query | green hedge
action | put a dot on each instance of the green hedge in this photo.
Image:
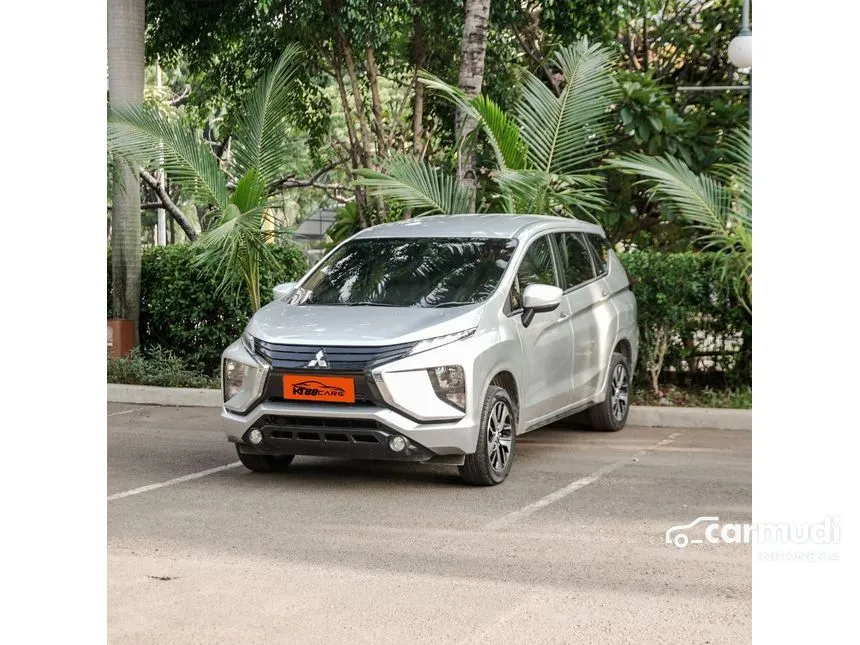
(181, 312)
(692, 331)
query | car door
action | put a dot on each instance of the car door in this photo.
(547, 350)
(591, 312)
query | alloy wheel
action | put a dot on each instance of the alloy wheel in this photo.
(499, 436)
(620, 392)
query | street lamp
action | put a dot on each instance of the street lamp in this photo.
(740, 49)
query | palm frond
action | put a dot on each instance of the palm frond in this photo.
(539, 192)
(235, 249)
(501, 131)
(250, 192)
(260, 137)
(143, 136)
(736, 174)
(417, 185)
(699, 199)
(565, 132)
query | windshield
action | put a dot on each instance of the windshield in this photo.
(408, 272)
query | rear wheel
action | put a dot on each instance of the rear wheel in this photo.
(611, 414)
(491, 461)
(264, 463)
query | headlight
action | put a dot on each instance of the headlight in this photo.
(242, 384)
(433, 343)
(449, 383)
(234, 376)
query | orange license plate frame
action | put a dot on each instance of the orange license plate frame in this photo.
(321, 388)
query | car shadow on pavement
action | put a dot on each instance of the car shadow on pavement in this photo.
(338, 472)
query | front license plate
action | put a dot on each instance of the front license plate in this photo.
(328, 389)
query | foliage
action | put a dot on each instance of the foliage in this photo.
(544, 152)
(737, 398)
(183, 310)
(237, 193)
(659, 45)
(718, 205)
(346, 223)
(692, 330)
(156, 366)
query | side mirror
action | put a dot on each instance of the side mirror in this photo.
(281, 291)
(538, 298)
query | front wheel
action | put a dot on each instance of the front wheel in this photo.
(264, 463)
(491, 461)
(611, 414)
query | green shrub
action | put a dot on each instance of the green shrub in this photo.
(182, 311)
(156, 367)
(692, 330)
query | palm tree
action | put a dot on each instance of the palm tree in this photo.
(237, 191)
(473, 50)
(125, 87)
(544, 153)
(718, 205)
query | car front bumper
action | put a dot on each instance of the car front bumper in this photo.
(337, 430)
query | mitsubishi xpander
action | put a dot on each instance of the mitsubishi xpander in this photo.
(438, 340)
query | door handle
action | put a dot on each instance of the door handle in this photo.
(563, 317)
(604, 295)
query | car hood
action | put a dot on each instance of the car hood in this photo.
(279, 322)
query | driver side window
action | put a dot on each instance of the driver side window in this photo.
(536, 268)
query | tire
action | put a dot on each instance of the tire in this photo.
(611, 414)
(264, 463)
(491, 462)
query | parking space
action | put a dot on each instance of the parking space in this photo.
(570, 549)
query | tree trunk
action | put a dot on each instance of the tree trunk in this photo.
(360, 196)
(472, 52)
(175, 212)
(125, 87)
(376, 103)
(359, 102)
(418, 103)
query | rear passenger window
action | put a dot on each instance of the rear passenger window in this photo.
(576, 263)
(536, 268)
(601, 248)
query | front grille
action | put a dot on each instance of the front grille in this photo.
(338, 357)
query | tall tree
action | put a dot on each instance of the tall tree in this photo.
(545, 152)
(125, 87)
(473, 50)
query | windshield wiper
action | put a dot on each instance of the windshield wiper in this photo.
(452, 304)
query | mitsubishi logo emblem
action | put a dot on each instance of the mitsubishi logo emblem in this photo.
(319, 360)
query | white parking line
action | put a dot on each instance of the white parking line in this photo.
(114, 414)
(171, 482)
(561, 493)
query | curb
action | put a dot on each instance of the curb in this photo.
(151, 395)
(713, 418)
(640, 415)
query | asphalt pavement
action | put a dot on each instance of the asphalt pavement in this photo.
(570, 549)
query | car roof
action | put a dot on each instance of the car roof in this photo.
(497, 225)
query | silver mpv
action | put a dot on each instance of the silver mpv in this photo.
(436, 340)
